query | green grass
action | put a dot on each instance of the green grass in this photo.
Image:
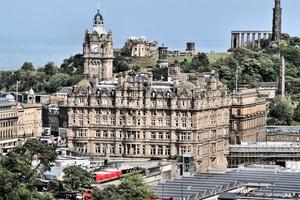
(180, 59)
(217, 55)
(146, 64)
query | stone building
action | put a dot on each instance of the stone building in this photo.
(191, 49)
(133, 116)
(98, 52)
(140, 47)
(29, 117)
(162, 57)
(248, 115)
(19, 121)
(8, 122)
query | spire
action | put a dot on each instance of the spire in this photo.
(98, 21)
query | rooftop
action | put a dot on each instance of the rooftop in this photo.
(263, 181)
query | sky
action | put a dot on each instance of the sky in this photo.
(51, 30)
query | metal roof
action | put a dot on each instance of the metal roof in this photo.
(268, 181)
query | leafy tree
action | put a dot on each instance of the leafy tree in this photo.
(77, 178)
(50, 69)
(132, 187)
(121, 64)
(17, 176)
(297, 113)
(73, 65)
(56, 81)
(27, 66)
(110, 192)
(282, 110)
(160, 73)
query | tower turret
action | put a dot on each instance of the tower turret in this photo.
(98, 52)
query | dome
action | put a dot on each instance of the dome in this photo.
(188, 86)
(84, 84)
(10, 98)
(98, 19)
(31, 92)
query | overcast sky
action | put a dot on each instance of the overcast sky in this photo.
(59, 25)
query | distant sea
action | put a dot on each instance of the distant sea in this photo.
(15, 51)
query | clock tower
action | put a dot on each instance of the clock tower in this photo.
(98, 52)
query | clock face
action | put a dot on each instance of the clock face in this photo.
(94, 48)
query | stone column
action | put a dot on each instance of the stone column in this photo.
(238, 39)
(265, 36)
(243, 37)
(258, 40)
(253, 40)
(248, 39)
(232, 40)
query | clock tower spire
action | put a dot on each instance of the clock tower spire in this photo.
(98, 51)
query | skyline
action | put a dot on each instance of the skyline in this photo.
(54, 30)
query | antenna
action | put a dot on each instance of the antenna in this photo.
(98, 4)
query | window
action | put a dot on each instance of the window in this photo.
(168, 123)
(152, 122)
(160, 122)
(152, 150)
(183, 136)
(167, 151)
(182, 150)
(98, 121)
(81, 133)
(160, 150)
(105, 134)
(112, 134)
(160, 135)
(98, 148)
(153, 135)
(167, 136)
(112, 121)
(98, 133)
(81, 120)
(184, 123)
(81, 100)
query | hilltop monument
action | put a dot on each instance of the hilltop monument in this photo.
(277, 15)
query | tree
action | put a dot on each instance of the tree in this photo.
(73, 65)
(133, 187)
(120, 64)
(282, 110)
(297, 113)
(110, 192)
(50, 69)
(76, 178)
(160, 73)
(17, 174)
(27, 66)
